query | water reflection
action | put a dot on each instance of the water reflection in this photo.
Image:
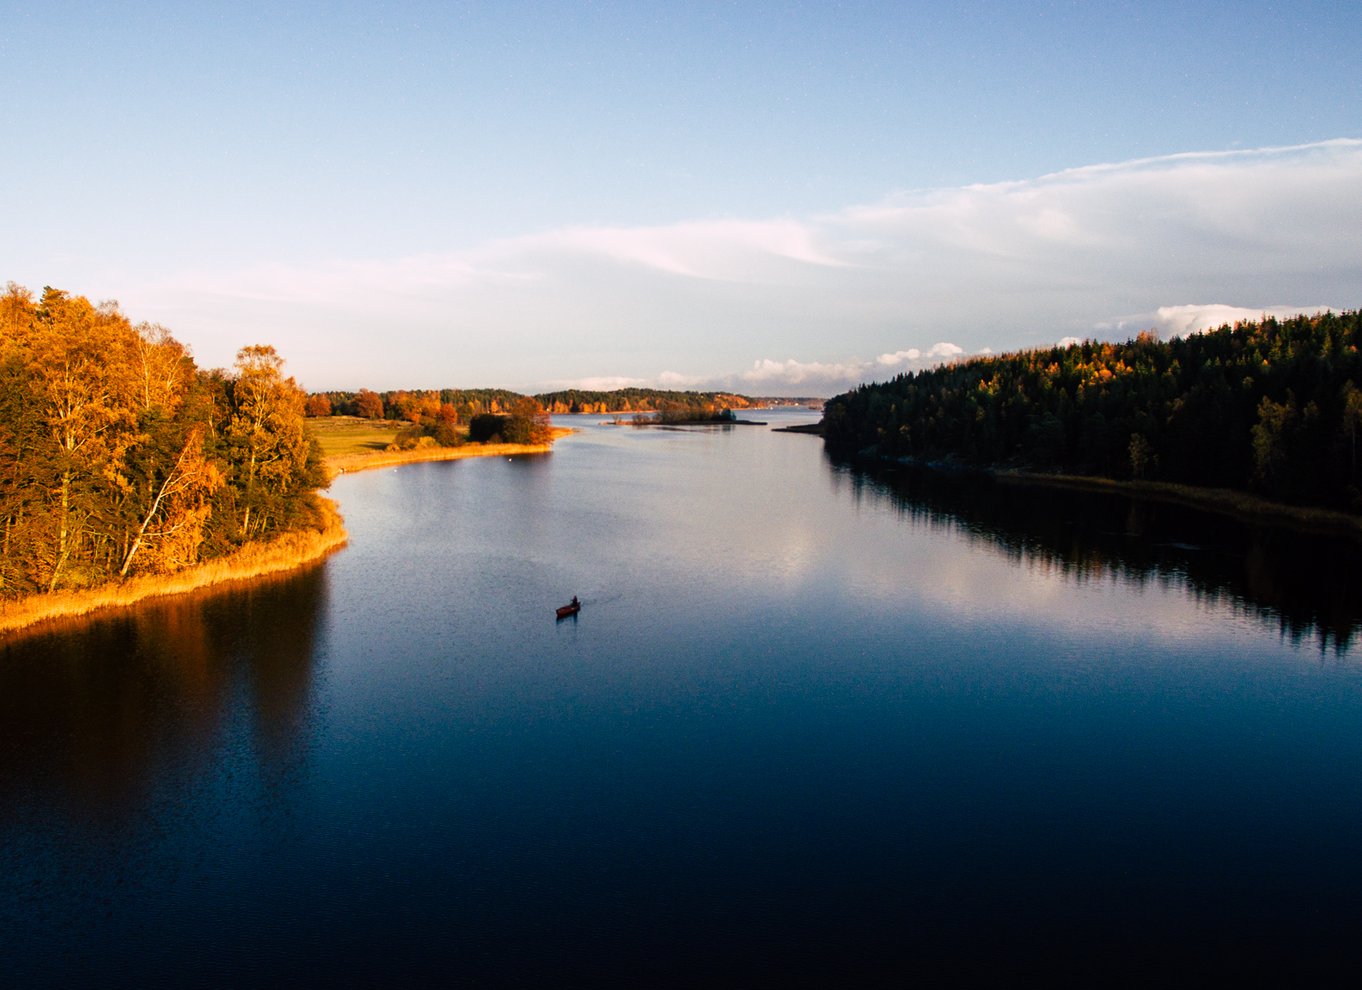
(1310, 586)
(97, 716)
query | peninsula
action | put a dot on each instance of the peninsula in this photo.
(127, 472)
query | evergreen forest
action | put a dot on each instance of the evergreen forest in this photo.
(119, 456)
(1273, 407)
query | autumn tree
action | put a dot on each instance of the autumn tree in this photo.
(163, 367)
(445, 429)
(528, 422)
(81, 363)
(172, 526)
(115, 450)
(368, 404)
(272, 457)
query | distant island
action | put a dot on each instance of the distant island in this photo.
(1270, 410)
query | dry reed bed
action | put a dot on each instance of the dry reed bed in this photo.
(285, 552)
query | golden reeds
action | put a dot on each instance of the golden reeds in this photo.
(285, 552)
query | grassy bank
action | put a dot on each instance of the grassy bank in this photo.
(346, 436)
(285, 552)
(360, 455)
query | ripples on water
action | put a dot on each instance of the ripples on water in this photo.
(812, 725)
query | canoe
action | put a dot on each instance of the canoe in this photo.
(566, 610)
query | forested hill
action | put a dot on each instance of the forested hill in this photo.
(1273, 407)
(118, 456)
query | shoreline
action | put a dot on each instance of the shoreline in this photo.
(808, 429)
(1244, 506)
(286, 552)
(1224, 501)
(354, 463)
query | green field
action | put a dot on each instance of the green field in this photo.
(342, 435)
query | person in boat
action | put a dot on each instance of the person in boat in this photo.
(575, 603)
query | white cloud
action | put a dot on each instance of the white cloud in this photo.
(727, 250)
(899, 357)
(1067, 341)
(944, 351)
(914, 358)
(607, 384)
(671, 379)
(825, 378)
(1178, 321)
(792, 372)
(1106, 250)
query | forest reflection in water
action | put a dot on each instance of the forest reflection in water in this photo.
(800, 732)
(94, 713)
(1309, 585)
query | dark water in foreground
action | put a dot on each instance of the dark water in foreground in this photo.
(810, 726)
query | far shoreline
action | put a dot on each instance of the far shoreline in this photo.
(1223, 501)
(1243, 506)
(354, 463)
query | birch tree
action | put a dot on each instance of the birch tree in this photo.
(271, 453)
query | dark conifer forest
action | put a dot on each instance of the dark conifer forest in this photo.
(1272, 407)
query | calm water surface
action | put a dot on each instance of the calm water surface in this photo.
(811, 725)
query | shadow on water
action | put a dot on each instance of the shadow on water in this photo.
(97, 715)
(1309, 585)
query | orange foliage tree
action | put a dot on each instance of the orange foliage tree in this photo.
(119, 456)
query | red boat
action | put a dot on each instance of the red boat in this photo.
(571, 608)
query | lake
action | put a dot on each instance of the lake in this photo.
(814, 724)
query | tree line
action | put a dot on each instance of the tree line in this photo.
(679, 404)
(119, 456)
(1273, 407)
(414, 406)
(451, 417)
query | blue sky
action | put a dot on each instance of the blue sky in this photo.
(780, 198)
